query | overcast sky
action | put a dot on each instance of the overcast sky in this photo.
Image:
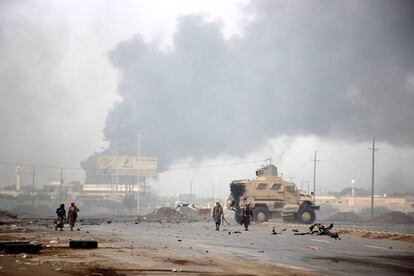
(221, 82)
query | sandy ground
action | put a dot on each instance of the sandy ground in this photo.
(126, 248)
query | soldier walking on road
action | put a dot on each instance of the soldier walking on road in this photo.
(61, 213)
(247, 215)
(217, 215)
(72, 214)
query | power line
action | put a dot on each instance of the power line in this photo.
(344, 157)
(345, 161)
(405, 160)
(218, 165)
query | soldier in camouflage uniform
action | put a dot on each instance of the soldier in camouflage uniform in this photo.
(72, 214)
(217, 215)
(247, 215)
(61, 213)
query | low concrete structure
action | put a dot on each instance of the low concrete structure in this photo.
(358, 203)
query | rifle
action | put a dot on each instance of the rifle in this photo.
(224, 219)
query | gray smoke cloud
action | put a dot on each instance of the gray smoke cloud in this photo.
(338, 69)
(35, 106)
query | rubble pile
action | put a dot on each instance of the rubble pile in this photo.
(393, 218)
(40, 210)
(5, 215)
(346, 217)
(166, 214)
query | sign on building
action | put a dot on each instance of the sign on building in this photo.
(127, 165)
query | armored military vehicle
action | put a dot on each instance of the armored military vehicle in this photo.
(270, 196)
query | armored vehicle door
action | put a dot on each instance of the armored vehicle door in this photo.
(278, 195)
(291, 193)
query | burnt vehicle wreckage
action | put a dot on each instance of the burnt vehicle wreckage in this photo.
(270, 196)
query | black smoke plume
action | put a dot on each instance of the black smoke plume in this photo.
(338, 69)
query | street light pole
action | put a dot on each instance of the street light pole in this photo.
(138, 167)
(138, 133)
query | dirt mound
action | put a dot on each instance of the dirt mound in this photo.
(5, 215)
(166, 214)
(345, 217)
(41, 210)
(393, 218)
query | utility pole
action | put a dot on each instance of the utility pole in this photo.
(372, 176)
(18, 171)
(314, 176)
(33, 186)
(191, 190)
(61, 185)
(138, 167)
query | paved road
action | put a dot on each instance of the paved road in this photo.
(314, 253)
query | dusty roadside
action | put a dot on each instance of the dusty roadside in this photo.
(119, 256)
(127, 247)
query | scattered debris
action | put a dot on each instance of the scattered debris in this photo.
(311, 248)
(295, 230)
(83, 244)
(237, 232)
(274, 231)
(322, 230)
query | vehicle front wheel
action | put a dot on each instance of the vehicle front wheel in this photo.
(306, 215)
(261, 214)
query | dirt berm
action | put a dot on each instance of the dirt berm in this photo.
(345, 217)
(165, 214)
(392, 218)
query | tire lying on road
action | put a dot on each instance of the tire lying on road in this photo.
(83, 244)
(3, 243)
(17, 248)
